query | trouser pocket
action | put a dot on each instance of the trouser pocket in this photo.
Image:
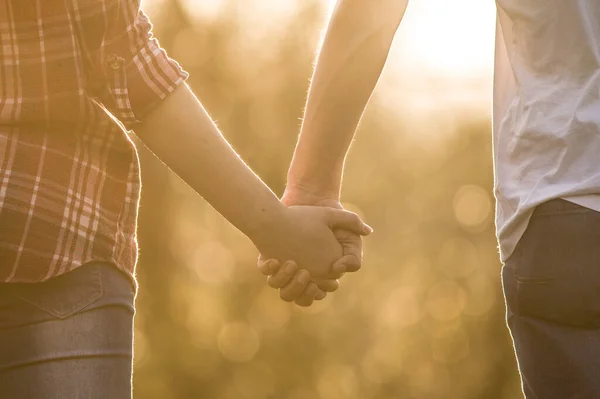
(557, 266)
(66, 294)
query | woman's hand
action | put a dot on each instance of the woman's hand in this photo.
(293, 283)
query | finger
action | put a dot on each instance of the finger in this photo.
(268, 267)
(340, 219)
(352, 264)
(296, 287)
(283, 275)
(351, 249)
(308, 296)
(339, 266)
(348, 263)
(328, 285)
(320, 295)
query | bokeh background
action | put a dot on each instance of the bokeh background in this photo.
(424, 318)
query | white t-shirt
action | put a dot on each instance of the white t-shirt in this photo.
(546, 125)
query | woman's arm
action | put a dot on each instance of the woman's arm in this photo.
(181, 133)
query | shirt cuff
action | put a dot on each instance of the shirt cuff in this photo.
(138, 84)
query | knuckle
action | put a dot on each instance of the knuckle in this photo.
(354, 218)
(311, 291)
(301, 281)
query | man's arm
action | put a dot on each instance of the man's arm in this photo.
(354, 51)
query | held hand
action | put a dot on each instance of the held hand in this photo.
(305, 235)
(297, 285)
(294, 283)
(350, 261)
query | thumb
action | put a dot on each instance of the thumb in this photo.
(350, 221)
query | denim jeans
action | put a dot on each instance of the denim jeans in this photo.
(68, 337)
(552, 290)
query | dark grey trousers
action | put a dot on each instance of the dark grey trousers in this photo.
(552, 290)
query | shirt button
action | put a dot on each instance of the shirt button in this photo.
(114, 61)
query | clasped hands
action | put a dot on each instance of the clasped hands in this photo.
(317, 244)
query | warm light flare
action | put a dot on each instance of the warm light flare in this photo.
(424, 317)
(449, 37)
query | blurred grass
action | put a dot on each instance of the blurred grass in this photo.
(425, 316)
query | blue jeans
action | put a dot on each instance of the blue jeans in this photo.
(552, 290)
(68, 337)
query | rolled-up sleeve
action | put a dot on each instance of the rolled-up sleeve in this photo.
(139, 73)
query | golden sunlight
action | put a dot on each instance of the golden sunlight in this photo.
(442, 57)
(449, 37)
(437, 37)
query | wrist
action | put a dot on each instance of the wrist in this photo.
(301, 195)
(321, 183)
(270, 222)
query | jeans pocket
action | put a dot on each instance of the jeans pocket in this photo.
(64, 295)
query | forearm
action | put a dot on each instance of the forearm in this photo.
(181, 133)
(354, 51)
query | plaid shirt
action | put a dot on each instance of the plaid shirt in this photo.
(75, 75)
